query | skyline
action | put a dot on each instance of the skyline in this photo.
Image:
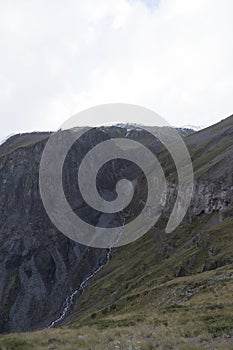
(171, 56)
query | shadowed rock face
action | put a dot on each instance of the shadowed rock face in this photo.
(39, 266)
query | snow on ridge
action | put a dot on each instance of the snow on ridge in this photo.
(193, 127)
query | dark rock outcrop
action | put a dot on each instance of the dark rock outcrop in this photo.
(39, 266)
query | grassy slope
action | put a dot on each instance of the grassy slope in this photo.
(163, 291)
(135, 301)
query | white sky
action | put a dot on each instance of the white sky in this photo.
(59, 57)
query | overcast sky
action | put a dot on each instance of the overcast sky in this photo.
(59, 57)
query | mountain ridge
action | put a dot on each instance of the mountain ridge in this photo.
(159, 278)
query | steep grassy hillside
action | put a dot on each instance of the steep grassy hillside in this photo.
(157, 293)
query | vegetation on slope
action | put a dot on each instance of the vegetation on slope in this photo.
(172, 292)
(164, 291)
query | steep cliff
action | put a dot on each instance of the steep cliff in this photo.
(40, 267)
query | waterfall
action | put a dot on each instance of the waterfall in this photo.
(70, 299)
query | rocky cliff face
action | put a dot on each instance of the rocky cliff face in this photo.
(39, 266)
(212, 155)
(211, 151)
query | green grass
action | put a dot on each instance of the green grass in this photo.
(204, 321)
(163, 291)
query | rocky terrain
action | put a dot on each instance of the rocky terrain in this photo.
(163, 291)
(39, 267)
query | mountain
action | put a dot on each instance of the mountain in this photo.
(39, 266)
(163, 291)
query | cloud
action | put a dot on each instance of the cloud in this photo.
(58, 57)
